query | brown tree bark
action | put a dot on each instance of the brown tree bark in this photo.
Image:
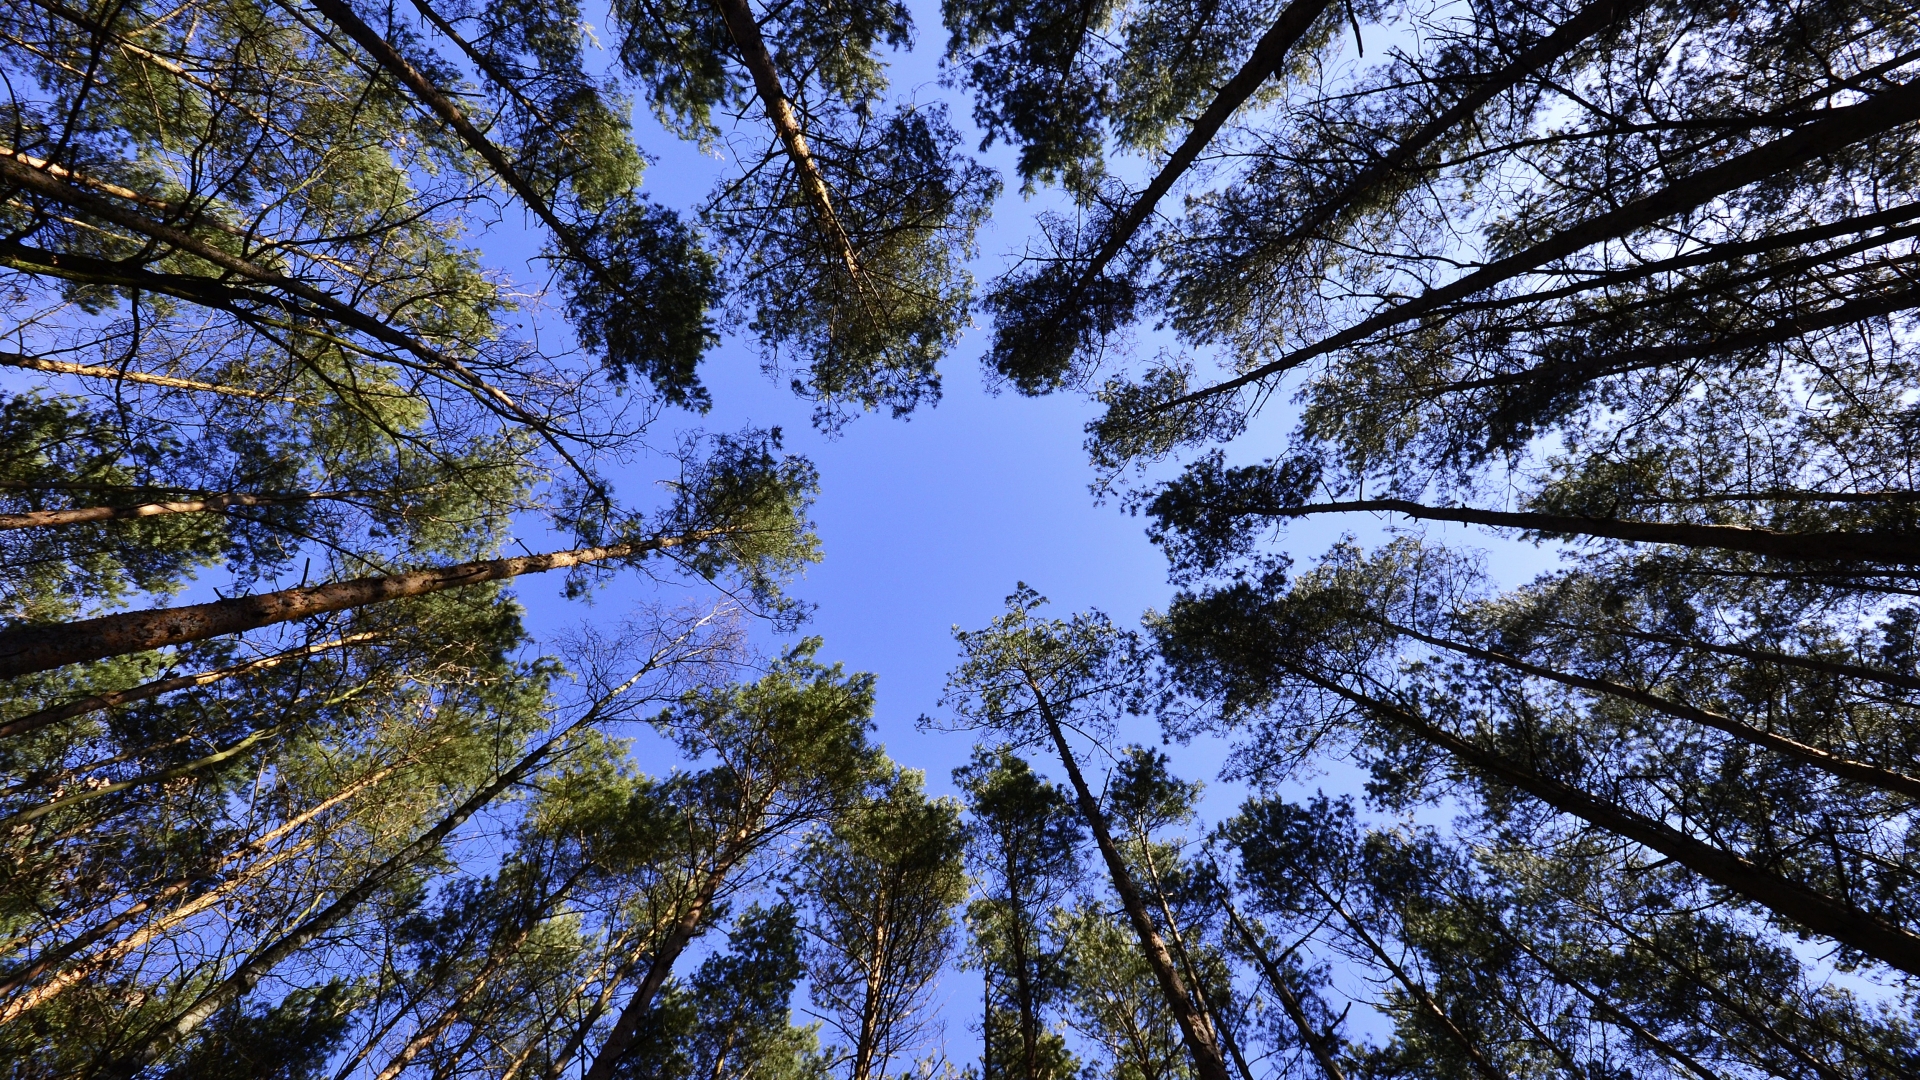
(1894, 945)
(113, 698)
(1269, 53)
(41, 519)
(1198, 1035)
(1837, 128)
(745, 31)
(342, 15)
(63, 367)
(1859, 772)
(28, 649)
(1809, 547)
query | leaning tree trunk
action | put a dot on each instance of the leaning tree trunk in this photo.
(1194, 1029)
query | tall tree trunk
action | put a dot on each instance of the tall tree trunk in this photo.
(256, 967)
(38, 519)
(28, 649)
(1836, 129)
(340, 14)
(1418, 992)
(1859, 772)
(1194, 1029)
(1269, 54)
(1891, 548)
(33, 721)
(1869, 933)
(745, 31)
(1290, 1002)
(92, 371)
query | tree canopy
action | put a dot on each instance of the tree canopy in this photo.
(326, 322)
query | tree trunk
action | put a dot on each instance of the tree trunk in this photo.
(1432, 1008)
(62, 367)
(1289, 1001)
(256, 967)
(1836, 128)
(1822, 914)
(1585, 23)
(33, 721)
(1897, 549)
(1269, 53)
(341, 15)
(28, 649)
(745, 31)
(1194, 1029)
(1859, 772)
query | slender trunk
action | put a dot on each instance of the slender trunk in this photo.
(745, 31)
(1612, 1012)
(1788, 327)
(431, 1033)
(1269, 54)
(1764, 656)
(1194, 1029)
(62, 367)
(1836, 128)
(161, 776)
(1176, 939)
(1847, 769)
(28, 649)
(1419, 993)
(37, 519)
(627, 1027)
(113, 698)
(264, 960)
(867, 1044)
(1585, 23)
(1869, 933)
(341, 15)
(1810, 546)
(1289, 1001)
(1023, 975)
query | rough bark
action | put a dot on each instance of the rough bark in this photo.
(28, 649)
(1892, 944)
(450, 113)
(1859, 772)
(41, 519)
(1891, 548)
(1194, 1029)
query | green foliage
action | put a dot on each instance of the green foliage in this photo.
(881, 886)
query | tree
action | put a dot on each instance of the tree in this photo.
(1024, 847)
(882, 884)
(1029, 681)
